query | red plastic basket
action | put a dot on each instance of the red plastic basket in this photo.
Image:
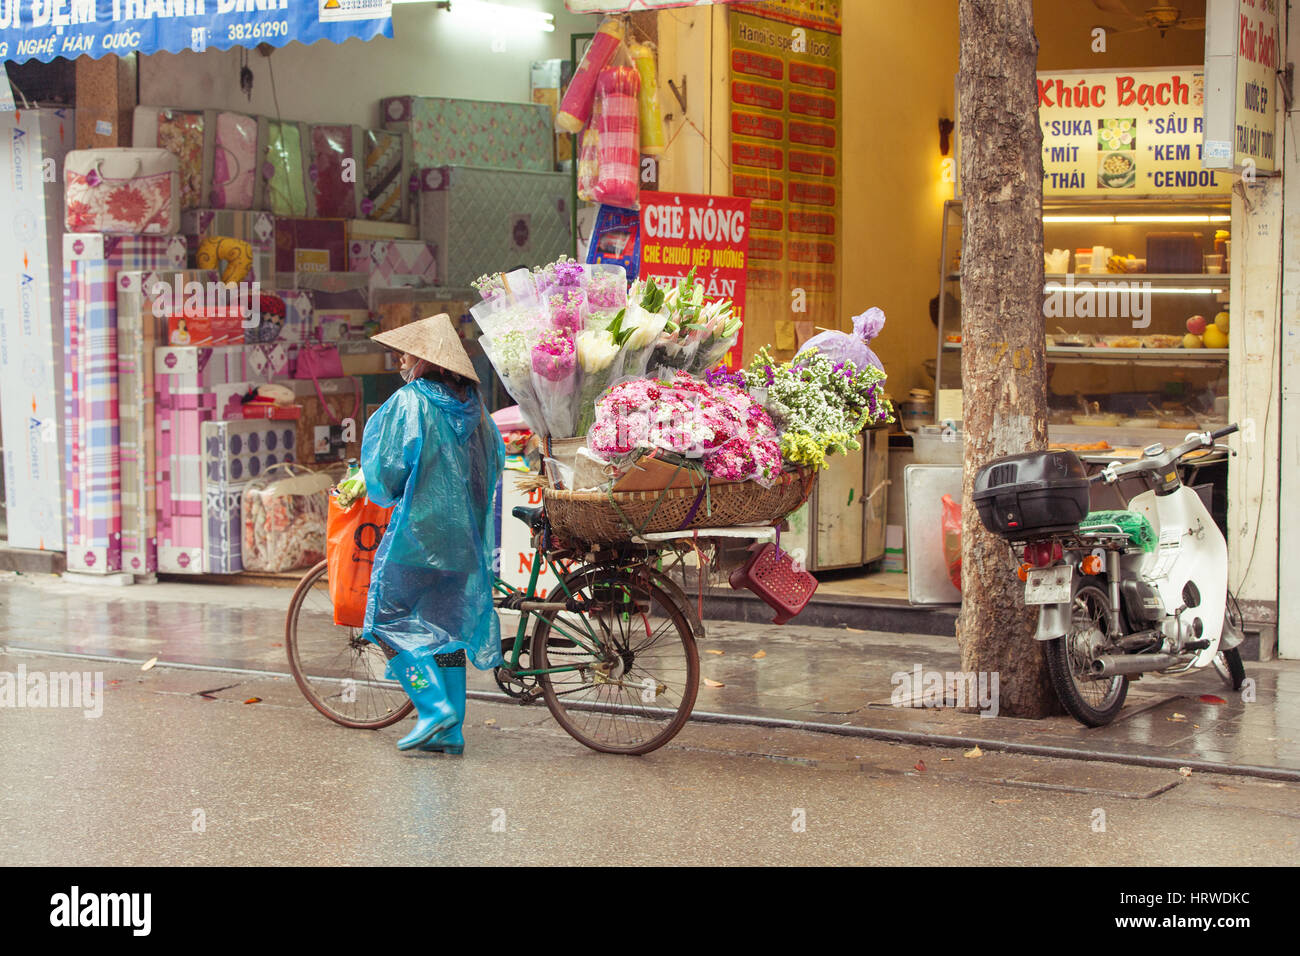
(770, 573)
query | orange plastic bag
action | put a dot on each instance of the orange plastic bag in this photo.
(352, 537)
(952, 539)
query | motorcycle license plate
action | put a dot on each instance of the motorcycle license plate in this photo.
(1049, 585)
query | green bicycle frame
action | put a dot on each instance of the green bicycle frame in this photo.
(521, 630)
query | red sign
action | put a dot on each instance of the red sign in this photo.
(709, 234)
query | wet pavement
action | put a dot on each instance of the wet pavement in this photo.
(840, 681)
(179, 768)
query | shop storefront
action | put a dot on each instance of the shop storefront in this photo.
(374, 179)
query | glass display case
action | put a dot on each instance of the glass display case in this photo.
(1136, 316)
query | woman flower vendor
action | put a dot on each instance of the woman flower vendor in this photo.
(433, 451)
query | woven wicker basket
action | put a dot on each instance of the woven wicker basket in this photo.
(598, 517)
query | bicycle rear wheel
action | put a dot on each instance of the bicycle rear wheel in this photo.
(634, 667)
(339, 672)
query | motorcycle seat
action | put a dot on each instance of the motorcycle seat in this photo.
(1135, 526)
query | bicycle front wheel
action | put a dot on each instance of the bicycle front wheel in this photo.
(339, 672)
(619, 673)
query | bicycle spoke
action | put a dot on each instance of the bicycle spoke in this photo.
(647, 649)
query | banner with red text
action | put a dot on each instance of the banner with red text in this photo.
(709, 234)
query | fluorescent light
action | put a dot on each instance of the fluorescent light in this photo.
(499, 18)
(1134, 219)
(1173, 219)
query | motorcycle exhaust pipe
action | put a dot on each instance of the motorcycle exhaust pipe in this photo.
(1112, 665)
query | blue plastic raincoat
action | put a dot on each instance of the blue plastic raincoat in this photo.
(439, 460)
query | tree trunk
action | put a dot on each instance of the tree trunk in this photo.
(1004, 395)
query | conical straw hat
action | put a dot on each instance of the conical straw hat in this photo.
(434, 340)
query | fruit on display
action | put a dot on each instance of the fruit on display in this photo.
(1221, 320)
(1215, 338)
(1196, 325)
(1191, 341)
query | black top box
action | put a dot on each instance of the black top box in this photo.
(1032, 494)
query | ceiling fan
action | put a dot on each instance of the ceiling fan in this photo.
(1162, 17)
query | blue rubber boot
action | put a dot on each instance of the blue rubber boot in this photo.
(420, 678)
(451, 668)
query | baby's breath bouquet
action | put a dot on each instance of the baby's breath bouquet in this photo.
(819, 406)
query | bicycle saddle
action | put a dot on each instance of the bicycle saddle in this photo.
(529, 516)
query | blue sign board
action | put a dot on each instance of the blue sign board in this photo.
(45, 29)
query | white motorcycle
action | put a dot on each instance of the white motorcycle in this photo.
(1120, 593)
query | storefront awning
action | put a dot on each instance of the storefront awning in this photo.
(45, 29)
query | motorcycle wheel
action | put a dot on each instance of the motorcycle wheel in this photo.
(1231, 669)
(1228, 662)
(1093, 703)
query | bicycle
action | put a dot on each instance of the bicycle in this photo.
(613, 655)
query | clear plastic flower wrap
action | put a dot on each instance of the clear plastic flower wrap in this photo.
(500, 286)
(555, 382)
(606, 293)
(719, 331)
(644, 330)
(600, 365)
(512, 326)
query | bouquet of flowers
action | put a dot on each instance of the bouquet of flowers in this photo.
(512, 325)
(606, 294)
(818, 406)
(555, 380)
(603, 332)
(721, 425)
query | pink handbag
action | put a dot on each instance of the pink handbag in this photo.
(122, 191)
(316, 362)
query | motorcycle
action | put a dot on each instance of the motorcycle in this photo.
(1120, 593)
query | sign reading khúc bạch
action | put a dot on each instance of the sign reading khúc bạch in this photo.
(710, 234)
(1243, 53)
(45, 29)
(1125, 134)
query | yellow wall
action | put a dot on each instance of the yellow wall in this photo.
(900, 67)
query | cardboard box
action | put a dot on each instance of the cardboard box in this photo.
(31, 327)
(652, 473)
(335, 426)
(394, 308)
